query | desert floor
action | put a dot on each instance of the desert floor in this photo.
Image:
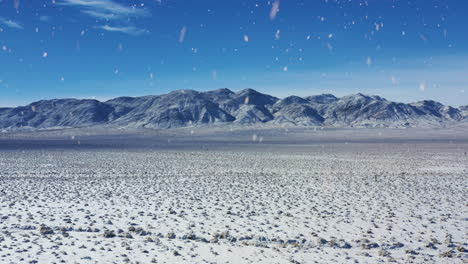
(234, 196)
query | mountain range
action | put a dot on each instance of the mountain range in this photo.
(187, 108)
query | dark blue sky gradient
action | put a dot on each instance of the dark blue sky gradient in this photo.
(403, 50)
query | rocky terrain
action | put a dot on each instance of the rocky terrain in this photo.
(262, 196)
(191, 108)
(464, 111)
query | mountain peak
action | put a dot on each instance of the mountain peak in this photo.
(292, 99)
(251, 96)
(222, 90)
(360, 96)
(248, 91)
(428, 102)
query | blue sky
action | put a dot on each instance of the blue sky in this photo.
(402, 50)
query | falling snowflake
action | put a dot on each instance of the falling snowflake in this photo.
(214, 75)
(422, 87)
(183, 31)
(274, 9)
(254, 137)
(45, 54)
(377, 27)
(277, 35)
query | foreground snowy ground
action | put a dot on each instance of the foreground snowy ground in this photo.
(357, 202)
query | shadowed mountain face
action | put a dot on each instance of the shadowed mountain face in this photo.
(187, 107)
(176, 109)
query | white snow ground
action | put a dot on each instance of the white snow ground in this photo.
(331, 202)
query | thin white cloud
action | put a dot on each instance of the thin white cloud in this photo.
(100, 15)
(105, 9)
(131, 30)
(110, 10)
(10, 23)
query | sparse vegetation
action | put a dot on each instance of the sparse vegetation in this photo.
(287, 204)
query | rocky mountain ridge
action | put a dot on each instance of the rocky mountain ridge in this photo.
(187, 107)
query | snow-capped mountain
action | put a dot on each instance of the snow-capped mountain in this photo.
(187, 107)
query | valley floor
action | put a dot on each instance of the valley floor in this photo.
(256, 196)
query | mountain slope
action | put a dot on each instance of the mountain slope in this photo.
(433, 108)
(176, 109)
(375, 111)
(187, 107)
(56, 113)
(464, 111)
(296, 110)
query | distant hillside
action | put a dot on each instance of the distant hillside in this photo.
(187, 107)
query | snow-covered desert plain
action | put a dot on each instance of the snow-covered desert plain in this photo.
(252, 195)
